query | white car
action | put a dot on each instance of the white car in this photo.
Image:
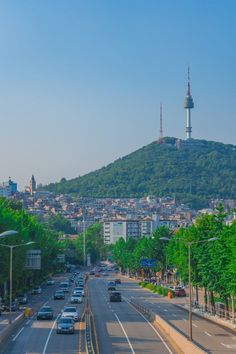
(76, 298)
(79, 288)
(71, 312)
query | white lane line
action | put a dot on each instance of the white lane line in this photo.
(130, 345)
(46, 344)
(18, 334)
(28, 322)
(165, 310)
(208, 334)
(195, 325)
(45, 303)
(154, 329)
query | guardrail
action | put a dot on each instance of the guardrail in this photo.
(91, 343)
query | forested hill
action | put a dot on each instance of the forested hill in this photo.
(193, 174)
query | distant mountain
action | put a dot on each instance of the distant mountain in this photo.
(193, 174)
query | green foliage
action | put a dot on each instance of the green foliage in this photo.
(94, 242)
(60, 224)
(192, 175)
(13, 217)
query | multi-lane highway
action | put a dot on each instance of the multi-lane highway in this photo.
(120, 327)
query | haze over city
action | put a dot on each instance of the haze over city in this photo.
(81, 82)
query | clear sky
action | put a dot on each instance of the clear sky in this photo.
(81, 81)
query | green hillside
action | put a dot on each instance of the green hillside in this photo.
(193, 174)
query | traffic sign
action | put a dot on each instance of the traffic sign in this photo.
(148, 262)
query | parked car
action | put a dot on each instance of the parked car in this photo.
(36, 290)
(117, 281)
(59, 295)
(65, 325)
(115, 296)
(14, 306)
(45, 313)
(179, 291)
(71, 312)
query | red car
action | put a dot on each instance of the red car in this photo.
(179, 291)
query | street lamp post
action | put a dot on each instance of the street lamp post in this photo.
(84, 246)
(8, 233)
(189, 244)
(10, 271)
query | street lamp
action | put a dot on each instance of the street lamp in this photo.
(189, 244)
(10, 274)
(8, 233)
(84, 246)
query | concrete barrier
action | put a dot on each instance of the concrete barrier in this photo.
(181, 341)
(10, 329)
(185, 345)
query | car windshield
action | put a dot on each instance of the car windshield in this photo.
(70, 309)
(45, 309)
(66, 320)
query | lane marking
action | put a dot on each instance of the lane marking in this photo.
(165, 310)
(49, 335)
(184, 319)
(131, 348)
(28, 322)
(195, 325)
(18, 334)
(155, 330)
(208, 334)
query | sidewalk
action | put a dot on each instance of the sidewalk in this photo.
(183, 302)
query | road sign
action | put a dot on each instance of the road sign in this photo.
(147, 262)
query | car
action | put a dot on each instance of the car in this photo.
(64, 286)
(36, 290)
(71, 312)
(92, 272)
(111, 288)
(59, 295)
(105, 274)
(80, 289)
(76, 298)
(50, 282)
(115, 296)
(22, 299)
(14, 306)
(179, 291)
(97, 275)
(45, 313)
(117, 281)
(65, 325)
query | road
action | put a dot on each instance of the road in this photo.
(39, 336)
(120, 328)
(211, 337)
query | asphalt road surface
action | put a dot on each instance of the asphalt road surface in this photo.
(39, 336)
(210, 336)
(120, 327)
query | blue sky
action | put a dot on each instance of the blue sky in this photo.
(81, 81)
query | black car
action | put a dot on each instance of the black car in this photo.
(115, 296)
(45, 313)
(59, 295)
(22, 299)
